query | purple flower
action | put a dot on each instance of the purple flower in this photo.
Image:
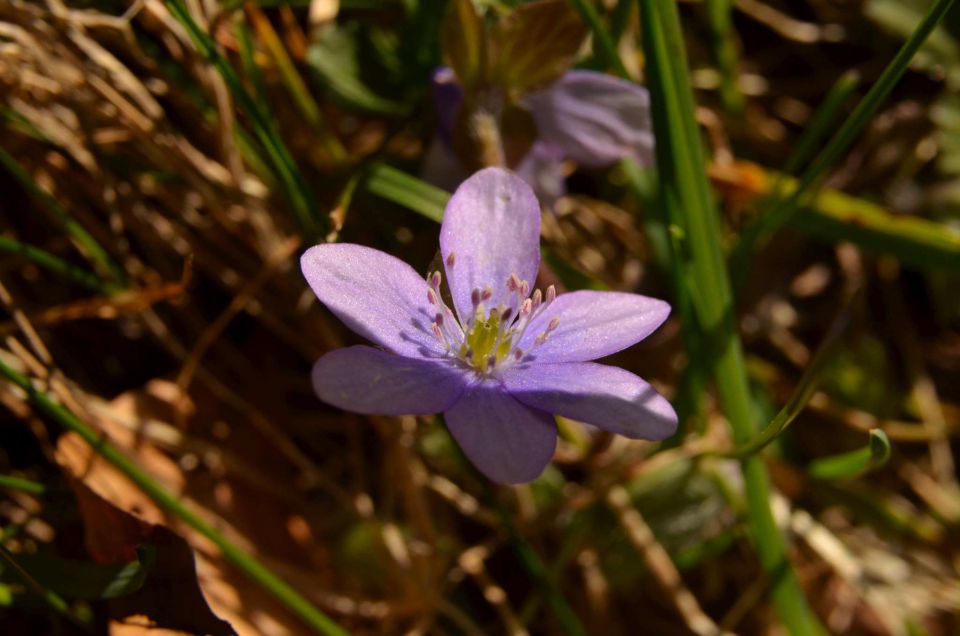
(590, 118)
(503, 359)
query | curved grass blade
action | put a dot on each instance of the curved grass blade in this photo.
(855, 463)
(801, 394)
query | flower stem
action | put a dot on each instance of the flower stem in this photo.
(685, 186)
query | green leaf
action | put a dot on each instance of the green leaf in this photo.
(334, 59)
(87, 580)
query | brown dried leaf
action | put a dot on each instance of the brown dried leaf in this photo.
(534, 45)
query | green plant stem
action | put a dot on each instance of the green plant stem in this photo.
(681, 164)
(852, 126)
(84, 240)
(604, 42)
(283, 592)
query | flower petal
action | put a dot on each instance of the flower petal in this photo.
(447, 96)
(597, 119)
(377, 295)
(367, 380)
(542, 168)
(608, 397)
(492, 228)
(592, 324)
(509, 442)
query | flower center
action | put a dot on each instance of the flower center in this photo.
(487, 340)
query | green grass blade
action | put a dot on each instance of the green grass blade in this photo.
(855, 463)
(406, 190)
(57, 265)
(308, 214)
(297, 88)
(812, 138)
(836, 217)
(684, 181)
(17, 483)
(606, 44)
(801, 394)
(859, 118)
(283, 592)
(84, 240)
(725, 53)
(816, 131)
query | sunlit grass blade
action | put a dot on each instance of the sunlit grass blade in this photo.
(406, 190)
(855, 463)
(685, 186)
(725, 53)
(601, 36)
(837, 217)
(297, 88)
(98, 256)
(852, 126)
(283, 592)
(305, 208)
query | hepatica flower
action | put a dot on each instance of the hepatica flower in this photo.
(504, 358)
(590, 118)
